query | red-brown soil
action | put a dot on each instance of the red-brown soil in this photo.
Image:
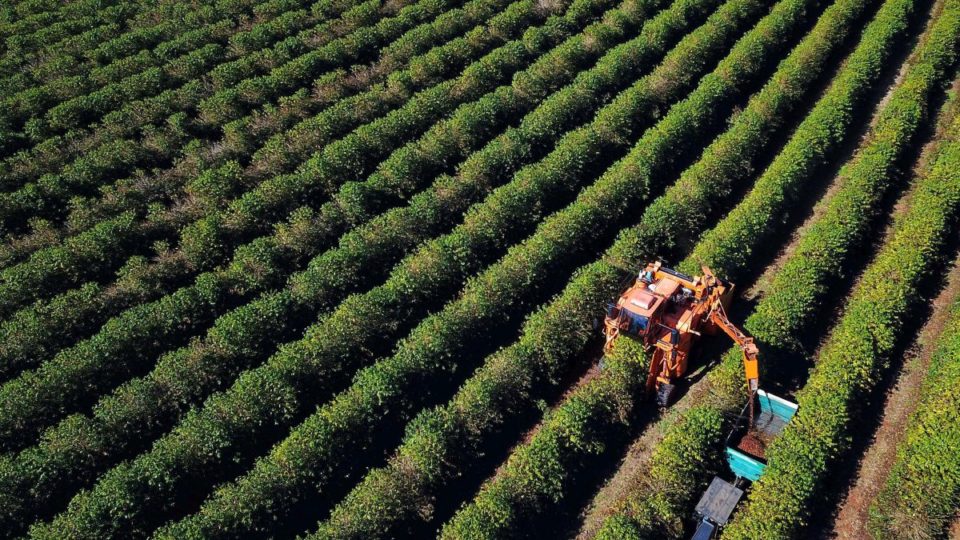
(851, 518)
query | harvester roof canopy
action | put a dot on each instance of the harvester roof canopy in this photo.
(642, 299)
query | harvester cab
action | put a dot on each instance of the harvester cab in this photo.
(667, 311)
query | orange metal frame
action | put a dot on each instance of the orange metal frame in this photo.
(678, 309)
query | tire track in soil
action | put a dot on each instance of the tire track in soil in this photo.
(592, 372)
(895, 203)
(645, 417)
(877, 100)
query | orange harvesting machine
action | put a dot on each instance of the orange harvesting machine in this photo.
(667, 311)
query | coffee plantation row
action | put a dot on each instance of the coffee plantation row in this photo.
(337, 268)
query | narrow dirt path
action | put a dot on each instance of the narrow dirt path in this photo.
(636, 457)
(851, 519)
(592, 372)
(584, 369)
(762, 284)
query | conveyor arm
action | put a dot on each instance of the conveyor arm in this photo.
(751, 360)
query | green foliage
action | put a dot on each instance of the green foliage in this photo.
(188, 33)
(32, 36)
(442, 441)
(37, 333)
(71, 100)
(449, 438)
(921, 494)
(352, 157)
(411, 43)
(84, 108)
(99, 92)
(730, 246)
(283, 151)
(348, 312)
(658, 504)
(205, 248)
(385, 389)
(368, 26)
(670, 225)
(214, 186)
(655, 506)
(424, 34)
(110, 51)
(92, 252)
(198, 54)
(326, 279)
(537, 475)
(120, 347)
(860, 345)
(725, 382)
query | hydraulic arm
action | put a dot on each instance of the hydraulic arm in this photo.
(751, 361)
(668, 311)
